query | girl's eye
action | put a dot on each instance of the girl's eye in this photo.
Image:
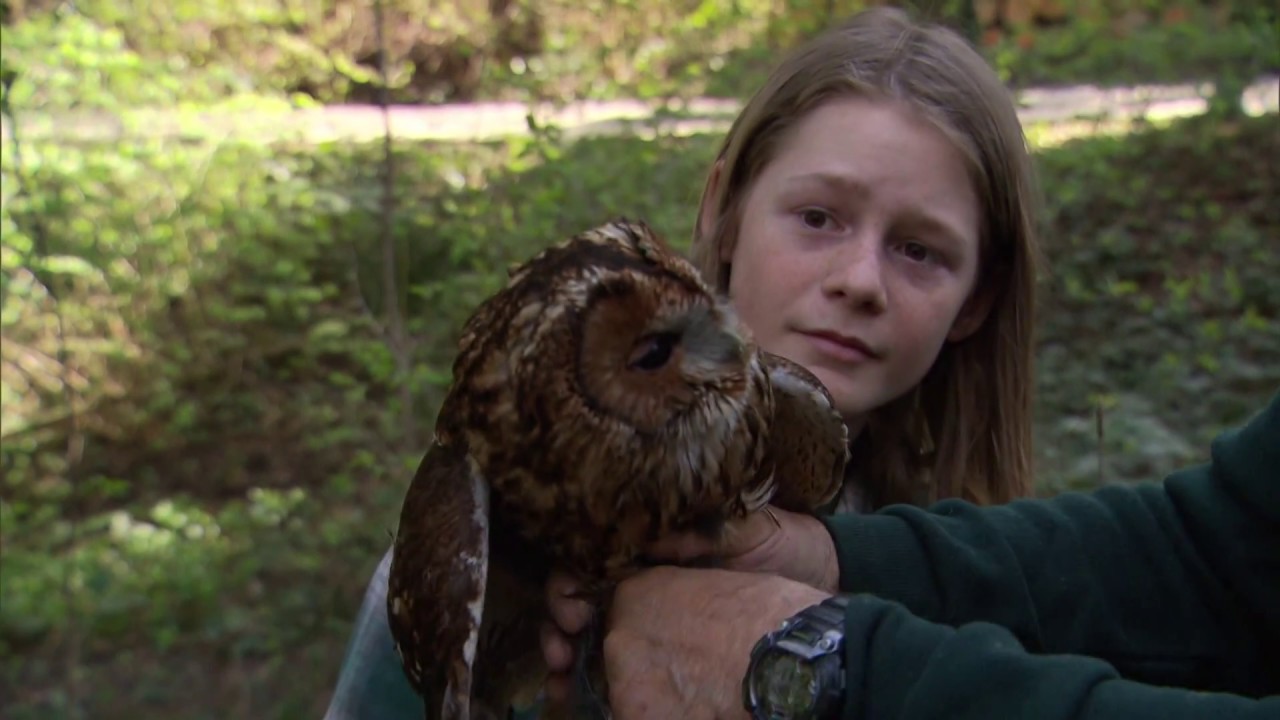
(814, 218)
(916, 252)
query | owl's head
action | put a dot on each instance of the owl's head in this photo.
(654, 342)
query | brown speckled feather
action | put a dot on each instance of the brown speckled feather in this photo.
(439, 570)
(605, 398)
(810, 445)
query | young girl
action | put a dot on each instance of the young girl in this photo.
(879, 184)
(870, 214)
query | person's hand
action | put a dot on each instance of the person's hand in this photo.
(678, 641)
(774, 542)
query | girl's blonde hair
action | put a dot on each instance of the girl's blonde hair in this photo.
(965, 431)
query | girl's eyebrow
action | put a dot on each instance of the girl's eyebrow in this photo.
(934, 226)
(831, 180)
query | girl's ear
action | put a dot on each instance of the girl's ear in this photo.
(971, 316)
(706, 211)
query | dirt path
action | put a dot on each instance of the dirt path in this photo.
(477, 121)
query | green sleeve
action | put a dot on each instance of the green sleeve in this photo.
(904, 667)
(1174, 583)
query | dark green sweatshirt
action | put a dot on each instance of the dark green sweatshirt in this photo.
(1159, 600)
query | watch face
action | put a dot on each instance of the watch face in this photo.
(788, 686)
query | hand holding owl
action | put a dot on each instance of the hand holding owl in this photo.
(794, 546)
(773, 541)
(678, 640)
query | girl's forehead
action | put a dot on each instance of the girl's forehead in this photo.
(855, 121)
(854, 143)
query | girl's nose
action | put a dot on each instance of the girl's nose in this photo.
(856, 274)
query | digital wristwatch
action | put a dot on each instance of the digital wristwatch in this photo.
(797, 671)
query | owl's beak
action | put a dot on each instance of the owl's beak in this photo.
(709, 340)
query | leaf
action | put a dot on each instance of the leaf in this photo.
(328, 329)
(66, 265)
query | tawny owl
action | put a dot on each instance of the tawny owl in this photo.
(605, 398)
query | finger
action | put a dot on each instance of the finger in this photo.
(681, 548)
(737, 538)
(557, 651)
(749, 533)
(571, 614)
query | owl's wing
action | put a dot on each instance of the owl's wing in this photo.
(463, 604)
(809, 442)
(436, 585)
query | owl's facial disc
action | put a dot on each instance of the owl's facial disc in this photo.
(650, 357)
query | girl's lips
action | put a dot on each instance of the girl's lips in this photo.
(845, 348)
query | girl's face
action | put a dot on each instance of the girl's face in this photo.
(858, 251)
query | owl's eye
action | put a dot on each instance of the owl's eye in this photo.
(653, 351)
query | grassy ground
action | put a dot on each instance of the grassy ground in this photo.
(245, 447)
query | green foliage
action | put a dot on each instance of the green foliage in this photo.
(1162, 297)
(1197, 43)
(147, 52)
(65, 60)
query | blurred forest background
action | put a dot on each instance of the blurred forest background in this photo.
(223, 343)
